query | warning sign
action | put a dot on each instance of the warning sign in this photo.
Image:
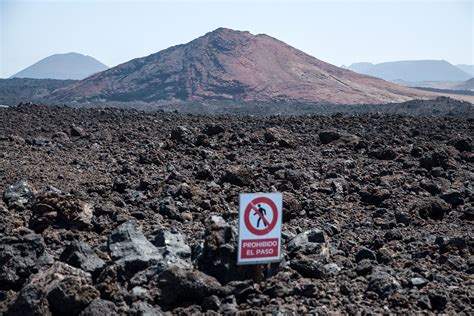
(260, 227)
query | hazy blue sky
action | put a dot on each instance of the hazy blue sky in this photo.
(339, 32)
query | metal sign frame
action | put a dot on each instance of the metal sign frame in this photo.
(278, 226)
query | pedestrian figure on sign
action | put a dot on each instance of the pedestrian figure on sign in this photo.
(263, 212)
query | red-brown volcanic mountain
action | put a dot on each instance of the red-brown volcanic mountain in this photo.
(227, 64)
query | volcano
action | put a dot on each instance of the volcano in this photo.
(234, 65)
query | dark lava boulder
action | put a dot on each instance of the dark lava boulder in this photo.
(374, 196)
(167, 208)
(382, 283)
(309, 267)
(19, 195)
(100, 307)
(307, 243)
(327, 137)
(434, 208)
(144, 308)
(279, 136)
(131, 249)
(10, 221)
(213, 129)
(59, 290)
(172, 244)
(239, 176)
(453, 197)
(19, 258)
(182, 135)
(468, 214)
(80, 255)
(179, 285)
(438, 158)
(219, 254)
(462, 143)
(365, 253)
(77, 131)
(383, 154)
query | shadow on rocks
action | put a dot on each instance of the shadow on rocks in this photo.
(219, 254)
(59, 290)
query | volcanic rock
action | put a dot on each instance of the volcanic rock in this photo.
(382, 283)
(453, 197)
(213, 129)
(99, 307)
(128, 246)
(219, 252)
(337, 200)
(60, 137)
(293, 207)
(9, 221)
(384, 154)
(309, 242)
(418, 282)
(328, 136)
(331, 269)
(20, 194)
(462, 144)
(211, 303)
(374, 195)
(143, 308)
(60, 289)
(434, 209)
(278, 136)
(168, 208)
(172, 244)
(77, 131)
(81, 255)
(364, 267)
(19, 258)
(431, 186)
(365, 253)
(179, 284)
(52, 208)
(468, 214)
(237, 175)
(182, 134)
(438, 300)
(309, 268)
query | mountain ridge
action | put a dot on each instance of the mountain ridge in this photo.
(412, 70)
(467, 68)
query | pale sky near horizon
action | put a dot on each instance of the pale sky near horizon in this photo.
(338, 32)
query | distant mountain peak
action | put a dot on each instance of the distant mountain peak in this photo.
(70, 65)
(412, 70)
(467, 69)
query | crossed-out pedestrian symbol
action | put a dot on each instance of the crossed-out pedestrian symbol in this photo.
(256, 207)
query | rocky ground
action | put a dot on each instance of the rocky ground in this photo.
(110, 211)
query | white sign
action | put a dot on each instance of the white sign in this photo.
(260, 227)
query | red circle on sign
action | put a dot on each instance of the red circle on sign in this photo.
(251, 207)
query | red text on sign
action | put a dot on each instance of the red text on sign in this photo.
(259, 248)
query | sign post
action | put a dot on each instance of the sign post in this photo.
(260, 218)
